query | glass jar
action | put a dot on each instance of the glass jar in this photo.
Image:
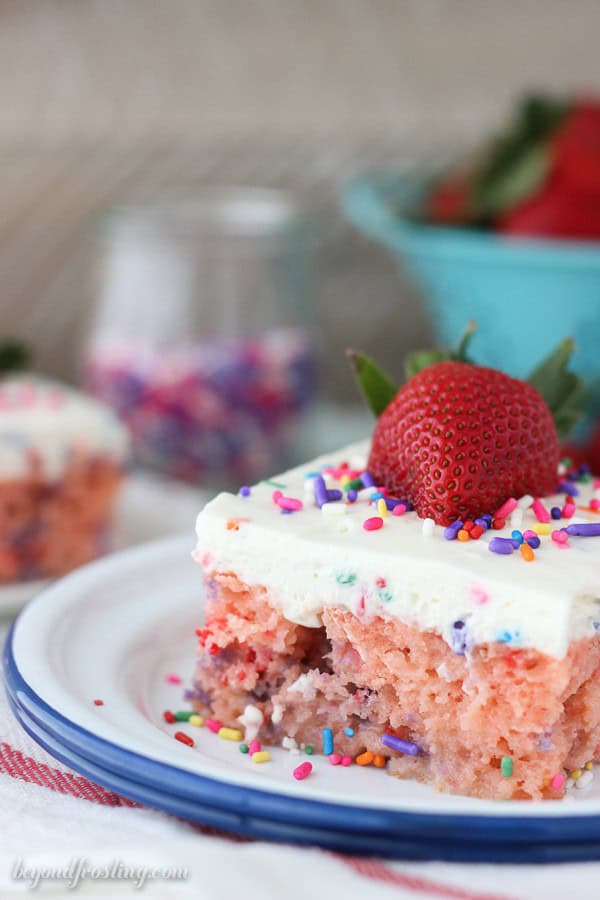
(202, 339)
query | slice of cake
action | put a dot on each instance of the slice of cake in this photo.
(61, 461)
(462, 652)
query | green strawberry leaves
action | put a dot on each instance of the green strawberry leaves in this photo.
(493, 195)
(422, 359)
(516, 162)
(562, 389)
(377, 388)
(508, 169)
(14, 356)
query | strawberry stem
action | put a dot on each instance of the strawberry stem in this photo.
(460, 354)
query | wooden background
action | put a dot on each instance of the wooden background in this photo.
(108, 100)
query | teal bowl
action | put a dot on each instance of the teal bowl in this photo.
(525, 295)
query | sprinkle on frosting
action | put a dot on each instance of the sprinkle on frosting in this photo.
(451, 532)
(502, 545)
(479, 596)
(346, 578)
(374, 523)
(506, 508)
(526, 552)
(591, 529)
(540, 511)
(289, 503)
(428, 527)
(367, 480)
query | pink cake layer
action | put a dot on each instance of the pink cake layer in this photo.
(49, 528)
(382, 676)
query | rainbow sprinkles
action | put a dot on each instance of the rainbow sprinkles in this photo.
(433, 651)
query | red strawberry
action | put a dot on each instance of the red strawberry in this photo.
(592, 452)
(459, 439)
(587, 451)
(448, 202)
(575, 147)
(557, 211)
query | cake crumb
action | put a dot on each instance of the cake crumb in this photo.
(252, 718)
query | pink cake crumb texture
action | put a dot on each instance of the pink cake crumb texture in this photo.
(48, 528)
(381, 676)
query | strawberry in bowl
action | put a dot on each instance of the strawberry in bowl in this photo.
(510, 234)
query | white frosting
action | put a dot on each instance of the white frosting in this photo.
(311, 559)
(50, 421)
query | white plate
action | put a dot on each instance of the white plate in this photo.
(114, 630)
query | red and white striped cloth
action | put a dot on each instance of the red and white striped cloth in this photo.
(52, 817)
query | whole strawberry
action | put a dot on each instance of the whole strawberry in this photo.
(458, 439)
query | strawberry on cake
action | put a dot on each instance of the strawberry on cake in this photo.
(427, 601)
(61, 461)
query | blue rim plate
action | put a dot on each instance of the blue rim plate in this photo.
(381, 845)
(114, 630)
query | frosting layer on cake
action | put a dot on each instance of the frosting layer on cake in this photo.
(313, 557)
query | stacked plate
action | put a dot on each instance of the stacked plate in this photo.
(120, 629)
